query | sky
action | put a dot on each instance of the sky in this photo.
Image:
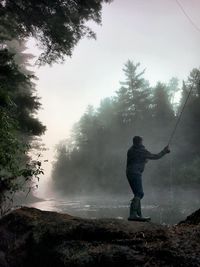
(155, 33)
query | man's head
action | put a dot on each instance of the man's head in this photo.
(137, 140)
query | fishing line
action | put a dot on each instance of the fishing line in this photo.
(187, 16)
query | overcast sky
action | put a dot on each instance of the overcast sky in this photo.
(153, 32)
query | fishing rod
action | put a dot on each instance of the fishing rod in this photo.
(181, 113)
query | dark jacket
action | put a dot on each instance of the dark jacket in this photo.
(137, 156)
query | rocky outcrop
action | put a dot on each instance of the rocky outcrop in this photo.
(194, 218)
(31, 237)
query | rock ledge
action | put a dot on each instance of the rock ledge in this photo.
(31, 237)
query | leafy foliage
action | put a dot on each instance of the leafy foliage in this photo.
(17, 86)
(57, 25)
(16, 103)
(16, 169)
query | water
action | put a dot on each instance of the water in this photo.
(117, 207)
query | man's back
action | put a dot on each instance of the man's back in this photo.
(138, 155)
(136, 158)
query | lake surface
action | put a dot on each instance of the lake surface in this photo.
(117, 207)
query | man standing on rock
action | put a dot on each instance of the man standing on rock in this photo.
(137, 157)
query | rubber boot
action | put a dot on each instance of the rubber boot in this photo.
(139, 213)
(134, 209)
(134, 206)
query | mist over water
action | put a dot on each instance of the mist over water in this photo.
(165, 206)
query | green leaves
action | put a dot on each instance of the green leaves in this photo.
(18, 126)
(57, 25)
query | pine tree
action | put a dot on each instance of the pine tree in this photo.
(133, 97)
(16, 168)
(189, 127)
(187, 136)
(24, 95)
(173, 91)
(162, 109)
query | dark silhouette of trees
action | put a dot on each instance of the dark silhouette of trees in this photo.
(16, 132)
(56, 25)
(133, 96)
(187, 140)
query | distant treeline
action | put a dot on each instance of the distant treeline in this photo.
(94, 157)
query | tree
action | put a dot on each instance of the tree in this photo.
(133, 97)
(186, 139)
(15, 165)
(188, 136)
(17, 82)
(173, 90)
(106, 113)
(57, 25)
(162, 109)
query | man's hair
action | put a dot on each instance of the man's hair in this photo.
(137, 140)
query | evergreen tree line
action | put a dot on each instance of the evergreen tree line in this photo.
(93, 159)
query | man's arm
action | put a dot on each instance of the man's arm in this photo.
(149, 155)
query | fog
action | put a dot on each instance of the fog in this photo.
(88, 145)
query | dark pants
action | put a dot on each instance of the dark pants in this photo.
(135, 181)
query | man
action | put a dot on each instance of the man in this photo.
(137, 157)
